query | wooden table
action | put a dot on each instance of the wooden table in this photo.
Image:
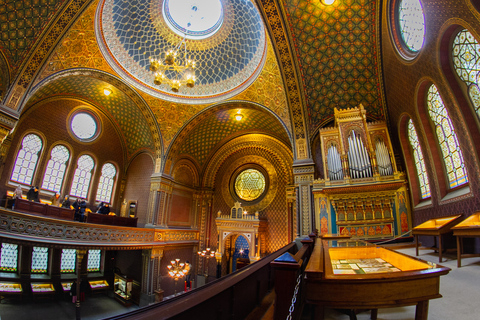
(468, 228)
(436, 227)
(410, 281)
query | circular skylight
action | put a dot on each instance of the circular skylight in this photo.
(192, 18)
(412, 24)
(83, 126)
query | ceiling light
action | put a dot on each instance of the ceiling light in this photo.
(107, 92)
(328, 2)
(238, 116)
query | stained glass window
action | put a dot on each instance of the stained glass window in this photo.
(83, 174)
(93, 264)
(466, 61)
(447, 139)
(56, 166)
(27, 159)
(84, 126)
(69, 259)
(412, 24)
(39, 260)
(9, 257)
(105, 185)
(250, 184)
(419, 161)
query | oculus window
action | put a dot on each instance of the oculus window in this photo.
(250, 184)
(84, 126)
(408, 26)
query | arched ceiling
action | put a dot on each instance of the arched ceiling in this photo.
(215, 126)
(337, 50)
(118, 106)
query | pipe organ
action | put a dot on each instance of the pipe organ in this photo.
(362, 194)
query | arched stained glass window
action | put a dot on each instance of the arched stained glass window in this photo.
(9, 257)
(69, 259)
(93, 264)
(39, 260)
(250, 184)
(82, 177)
(466, 61)
(27, 159)
(105, 185)
(412, 24)
(56, 166)
(419, 161)
(447, 139)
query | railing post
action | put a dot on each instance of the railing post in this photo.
(285, 274)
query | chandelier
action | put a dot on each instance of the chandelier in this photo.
(175, 69)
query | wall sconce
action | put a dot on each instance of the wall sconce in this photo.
(107, 92)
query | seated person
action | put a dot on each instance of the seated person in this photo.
(66, 202)
(105, 209)
(55, 200)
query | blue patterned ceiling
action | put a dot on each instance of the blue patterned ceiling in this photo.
(133, 32)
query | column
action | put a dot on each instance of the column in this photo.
(151, 277)
(80, 255)
(303, 181)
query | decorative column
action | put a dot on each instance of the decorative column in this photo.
(151, 275)
(303, 181)
(80, 255)
(293, 230)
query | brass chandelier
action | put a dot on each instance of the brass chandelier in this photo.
(175, 69)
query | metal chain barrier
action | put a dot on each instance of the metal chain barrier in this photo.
(294, 298)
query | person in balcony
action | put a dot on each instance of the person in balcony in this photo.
(17, 194)
(105, 209)
(76, 207)
(30, 193)
(36, 197)
(55, 200)
(66, 202)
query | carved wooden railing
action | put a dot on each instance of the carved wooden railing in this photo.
(231, 297)
(30, 227)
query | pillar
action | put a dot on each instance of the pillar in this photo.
(304, 175)
(151, 276)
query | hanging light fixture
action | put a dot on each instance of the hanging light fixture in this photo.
(175, 69)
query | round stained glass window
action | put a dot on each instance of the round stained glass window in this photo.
(193, 19)
(84, 126)
(250, 184)
(410, 26)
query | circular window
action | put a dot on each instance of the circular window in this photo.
(84, 126)
(409, 27)
(250, 184)
(193, 19)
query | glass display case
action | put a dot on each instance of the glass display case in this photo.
(66, 286)
(10, 289)
(42, 289)
(123, 289)
(468, 228)
(435, 227)
(353, 274)
(98, 285)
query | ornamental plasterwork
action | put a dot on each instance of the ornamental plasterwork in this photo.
(225, 234)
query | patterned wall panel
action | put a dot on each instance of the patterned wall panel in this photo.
(336, 47)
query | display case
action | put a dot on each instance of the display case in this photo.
(468, 228)
(98, 285)
(42, 289)
(66, 286)
(10, 289)
(436, 227)
(349, 274)
(123, 289)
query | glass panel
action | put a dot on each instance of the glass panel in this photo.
(84, 126)
(412, 23)
(447, 139)
(94, 260)
(56, 166)
(69, 259)
(39, 260)
(9, 257)
(105, 186)
(27, 159)
(81, 179)
(419, 162)
(250, 184)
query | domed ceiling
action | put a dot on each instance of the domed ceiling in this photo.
(226, 39)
